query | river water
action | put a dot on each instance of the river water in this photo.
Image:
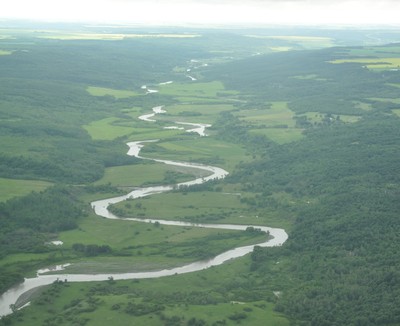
(278, 236)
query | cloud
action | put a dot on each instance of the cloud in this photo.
(207, 11)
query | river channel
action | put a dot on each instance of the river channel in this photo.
(277, 236)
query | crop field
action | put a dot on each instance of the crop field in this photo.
(10, 188)
(116, 93)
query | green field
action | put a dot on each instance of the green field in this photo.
(317, 117)
(106, 129)
(204, 297)
(276, 122)
(363, 106)
(200, 113)
(204, 207)
(307, 42)
(372, 63)
(310, 77)
(193, 90)
(201, 149)
(390, 100)
(116, 93)
(280, 135)
(140, 246)
(145, 174)
(277, 115)
(10, 188)
(5, 52)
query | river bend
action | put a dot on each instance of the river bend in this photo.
(277, 236)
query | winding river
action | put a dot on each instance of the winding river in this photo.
(277, 236)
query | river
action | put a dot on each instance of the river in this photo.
(277, 236)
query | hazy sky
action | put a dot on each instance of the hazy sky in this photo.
(207, 11)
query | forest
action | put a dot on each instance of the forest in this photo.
(334, 187)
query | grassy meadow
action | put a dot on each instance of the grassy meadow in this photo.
(116, 93)
(147, 174)
(204, 297)
(373, 64)
(107, 129)
(374, 58)
(10, 188)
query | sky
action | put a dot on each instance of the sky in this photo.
(207, 12)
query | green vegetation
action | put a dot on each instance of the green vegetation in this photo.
(310, 146)
(10, 188)
(373, 64)
(107, 129)
(116, 93)
(194, 90)
(147, 174)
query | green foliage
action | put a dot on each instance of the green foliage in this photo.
(341, 182)
(342, 250)
(271, 77)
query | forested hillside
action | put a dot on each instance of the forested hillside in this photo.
(344, 184)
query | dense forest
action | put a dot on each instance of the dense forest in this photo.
(343, 247)
(340, 265)
(345, 181)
